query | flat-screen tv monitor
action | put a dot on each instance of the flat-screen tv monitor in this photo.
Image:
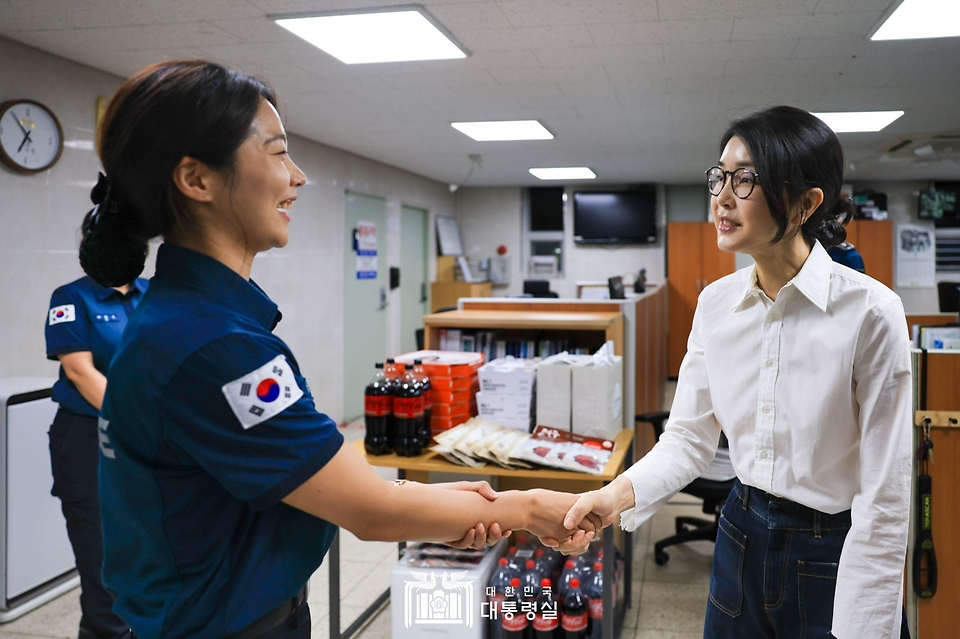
(615, 217)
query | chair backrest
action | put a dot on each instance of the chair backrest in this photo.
(949, 296)
(536, 287)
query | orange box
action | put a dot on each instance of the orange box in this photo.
(452, 410)
(445, 363)
(441, 383)
(439, 424)
(452, 397)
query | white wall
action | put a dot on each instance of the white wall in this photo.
(491, 216)
(40, 217)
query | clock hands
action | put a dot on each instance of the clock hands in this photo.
(19, 123)
(26, 134)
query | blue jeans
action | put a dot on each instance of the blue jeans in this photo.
(774, 569)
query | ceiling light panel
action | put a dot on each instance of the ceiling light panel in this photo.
(915, 19)
(388, 36)
(564, 173)
(503, 130)
(858, 121)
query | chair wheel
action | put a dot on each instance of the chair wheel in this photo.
(681, 528)
(661, 557)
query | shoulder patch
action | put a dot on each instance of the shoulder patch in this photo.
(60, 314)
(262, 393)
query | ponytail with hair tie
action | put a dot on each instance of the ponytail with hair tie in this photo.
(109, 253)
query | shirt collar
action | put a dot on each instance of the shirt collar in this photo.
(217, 280)
(105, 292)
(813, 280)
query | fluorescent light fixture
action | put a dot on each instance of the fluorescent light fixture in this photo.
(564, 173)
(503, 130)
(916, 19)
(858, 121)
(381, 36)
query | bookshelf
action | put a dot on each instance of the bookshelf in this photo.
(637, 326)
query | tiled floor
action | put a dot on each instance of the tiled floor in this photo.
(668, 601)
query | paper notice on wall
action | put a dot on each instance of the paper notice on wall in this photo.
(366, 240)
(916, 256)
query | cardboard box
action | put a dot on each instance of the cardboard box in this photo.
(461, 594)
(554, 400)
(597, 406)
(509, 376)
(495, 406)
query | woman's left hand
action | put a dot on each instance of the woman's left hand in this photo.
(478, 536)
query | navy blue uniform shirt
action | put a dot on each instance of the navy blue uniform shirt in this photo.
(85, 316)
(206, 426)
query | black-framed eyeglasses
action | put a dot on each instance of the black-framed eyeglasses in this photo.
(742, 181)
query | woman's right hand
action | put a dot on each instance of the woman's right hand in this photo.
(601, 506)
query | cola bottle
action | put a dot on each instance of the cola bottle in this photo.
(568, 574)
(514, 621)
(544, 565)
(427, 389)
(546, 623)
(593, 589)
(378, 414)
(499, 582)
(575, 616)
(408, 415)
(391, 371)
(530, 579)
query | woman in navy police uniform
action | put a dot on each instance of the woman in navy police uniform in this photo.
(83, 328)
(221, 484)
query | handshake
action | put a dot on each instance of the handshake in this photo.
(563, 521)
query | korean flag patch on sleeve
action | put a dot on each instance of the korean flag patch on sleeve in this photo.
(263, 393)
(60, 314)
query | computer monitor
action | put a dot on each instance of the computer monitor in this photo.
(949, 296)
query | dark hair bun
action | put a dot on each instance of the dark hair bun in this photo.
(831, 231)
(108, 254)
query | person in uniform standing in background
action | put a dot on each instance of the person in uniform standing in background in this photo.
(83, 328)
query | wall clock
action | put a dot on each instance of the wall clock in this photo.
(31, 138)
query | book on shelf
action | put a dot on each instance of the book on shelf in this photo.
(495, 345)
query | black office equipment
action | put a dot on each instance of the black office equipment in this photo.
(538, 288)
(713, 493)
(394, 277)
(615, 285)
(615, 217)
(948, 294)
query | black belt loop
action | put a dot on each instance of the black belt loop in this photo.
(746, 496)
(816, 525)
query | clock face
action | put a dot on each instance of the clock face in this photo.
(30, 136)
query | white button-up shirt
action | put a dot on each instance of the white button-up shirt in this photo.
(814, 394)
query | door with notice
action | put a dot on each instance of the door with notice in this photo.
(364, 296)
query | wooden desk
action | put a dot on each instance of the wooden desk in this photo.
(419, 469)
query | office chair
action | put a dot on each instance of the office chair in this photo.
(713, 493)
(948, 294)
(538, 288)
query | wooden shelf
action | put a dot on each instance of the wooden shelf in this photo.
(432, 462)
(523, 319)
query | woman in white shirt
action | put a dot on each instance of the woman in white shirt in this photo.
(805, 365)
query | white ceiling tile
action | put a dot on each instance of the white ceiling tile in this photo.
(700, 10)
(847, 6)
(851, 25)
(805, 66)
(631, 34)
(551, 75)
(523, 38)
(618, 100)
(470, 15)
(706, 52)
(583, 56)
(535, 13)
(32, 15)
